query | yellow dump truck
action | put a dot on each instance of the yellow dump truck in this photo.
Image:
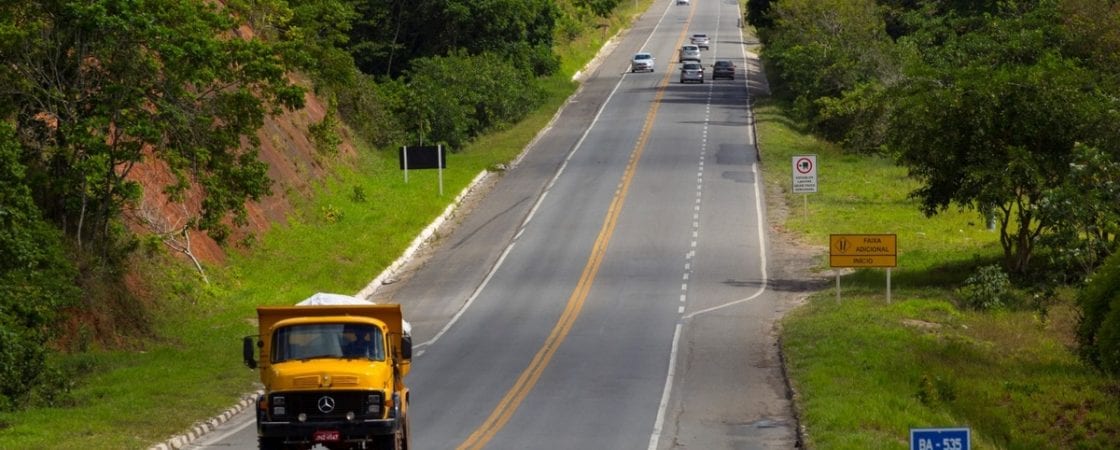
(333, 375)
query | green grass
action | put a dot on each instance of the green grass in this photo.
(191, 370)
(866, 371)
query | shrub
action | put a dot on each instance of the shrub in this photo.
(1098, 334)
(325, 133)
(365, 108)
(989, 288)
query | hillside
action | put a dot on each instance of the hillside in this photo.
(294, 165)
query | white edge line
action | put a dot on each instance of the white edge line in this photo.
(666, 392)
(471, 300)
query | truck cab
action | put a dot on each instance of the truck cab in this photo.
(333, 375)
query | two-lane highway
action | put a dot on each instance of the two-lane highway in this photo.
(610, 292)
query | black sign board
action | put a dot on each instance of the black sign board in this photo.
(423, 157)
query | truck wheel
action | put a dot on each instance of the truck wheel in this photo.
(407, 433)
(393, 441)
(266, 443)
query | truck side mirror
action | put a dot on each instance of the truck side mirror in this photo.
(247, 352)
(406, 346)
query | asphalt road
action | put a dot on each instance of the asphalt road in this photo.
(611, 290)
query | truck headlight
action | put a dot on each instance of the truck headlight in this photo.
(373, 404)
(278, 400)
(278, 410)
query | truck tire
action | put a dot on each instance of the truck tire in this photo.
(266, 443)
(407, 434)
(393, 441)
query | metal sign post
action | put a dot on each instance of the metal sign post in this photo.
(837, 287)
(404, 163)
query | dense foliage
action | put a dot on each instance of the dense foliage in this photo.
(35, 277)
(1007, 108)
(1099, 331)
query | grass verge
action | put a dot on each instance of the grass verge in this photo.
(867, 371)
(357, 223)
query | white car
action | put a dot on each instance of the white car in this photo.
(683, 2)
(642, 61)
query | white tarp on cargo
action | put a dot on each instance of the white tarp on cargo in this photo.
(324, 298)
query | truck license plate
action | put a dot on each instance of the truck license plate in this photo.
(326, 436)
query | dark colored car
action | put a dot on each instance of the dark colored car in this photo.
(723, 69)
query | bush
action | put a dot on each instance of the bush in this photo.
(36, 279)
(365, 107)
(1098, 334)
(325, 133)
(989, 288)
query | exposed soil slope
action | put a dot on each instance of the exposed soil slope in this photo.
(294, 166)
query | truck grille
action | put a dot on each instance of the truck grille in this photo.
(326, 405)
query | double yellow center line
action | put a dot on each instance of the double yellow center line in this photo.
(528, 378)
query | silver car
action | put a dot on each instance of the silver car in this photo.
(692, 71)
(642, 61)
(690, 52)
(701, 40)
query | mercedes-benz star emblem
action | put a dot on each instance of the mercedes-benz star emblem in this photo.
(326, 404)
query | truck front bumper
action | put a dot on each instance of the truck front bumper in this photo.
(348, 430)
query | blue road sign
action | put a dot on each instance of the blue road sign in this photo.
(940, 439)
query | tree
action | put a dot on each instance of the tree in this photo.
(601, 8)
(36, 279)
(1085, 212)
(821, 49)
(758, 13)
(990, 119)
(313, 34)
(389, 35)
(451, 105)
(98, 86)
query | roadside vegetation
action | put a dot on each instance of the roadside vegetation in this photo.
(172, 356)
(866, 371)
(978, 133)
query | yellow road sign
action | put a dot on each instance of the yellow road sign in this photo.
(862, 250)
(862, 261)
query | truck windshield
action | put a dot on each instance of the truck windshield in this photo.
(328, 340)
